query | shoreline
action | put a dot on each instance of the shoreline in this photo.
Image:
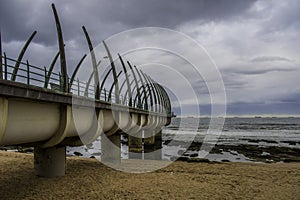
(250, 153)
(247, 153)
(89, 179)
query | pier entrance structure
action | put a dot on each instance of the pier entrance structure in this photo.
(50, 110)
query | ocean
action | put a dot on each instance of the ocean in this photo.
(260, 131)
(240, 140)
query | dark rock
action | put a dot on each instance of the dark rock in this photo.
(183, 158)
(216, 150)
(287, 160)
(78, 153)
(193, 155)
(269, 141)
(225, 160)
(262, 140)
(166, 142)
(214, 162)
(253, 152)
(254, 141)
(4, 148)
(233, 153)
(25, 149)
(200, 160)
(290, 142)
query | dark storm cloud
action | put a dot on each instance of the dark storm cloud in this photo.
(103, 18)
(243, 33)
(170, 14)
(18, 19)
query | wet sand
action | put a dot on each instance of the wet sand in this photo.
(89, 179)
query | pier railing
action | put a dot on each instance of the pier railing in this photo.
(41, 77)
(130, 86)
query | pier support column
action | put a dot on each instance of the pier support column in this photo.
(149, 149)
(50, 162)
(158, 145)
(111, 149)
(135, 147)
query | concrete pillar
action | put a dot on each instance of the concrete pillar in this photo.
(149, 148)
(111, 149)
(135, 147)
(50, 162)
(158, 146)
(153, 146)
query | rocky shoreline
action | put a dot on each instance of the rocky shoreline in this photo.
(253, 153)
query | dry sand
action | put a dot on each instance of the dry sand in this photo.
(89, 179)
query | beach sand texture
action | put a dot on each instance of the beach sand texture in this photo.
(89, 179)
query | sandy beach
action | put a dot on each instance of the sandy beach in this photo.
(89, 179)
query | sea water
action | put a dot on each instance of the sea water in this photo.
(270, 131)
(260, 131)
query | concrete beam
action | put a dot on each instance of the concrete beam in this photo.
(65, 121)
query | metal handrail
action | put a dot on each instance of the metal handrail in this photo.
(34, 75)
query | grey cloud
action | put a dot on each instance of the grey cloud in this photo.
(292, 98)
(103, 18)
(286, 16)
(246, 108)
(164, 13)
(234, 81)
(18, 19)
(270, 59)
(257, 108)
(276, 26)
(254, 71)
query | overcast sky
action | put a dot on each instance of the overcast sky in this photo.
(255, 44)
